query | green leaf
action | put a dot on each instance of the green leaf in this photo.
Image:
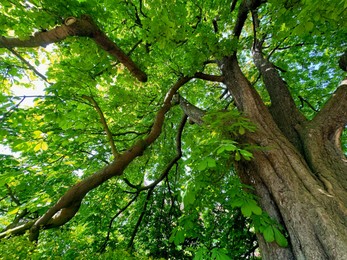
(178, 237)
(256, 210)
(219, 254)
(280, 238)
(237, 156)
(309, 26)
(14, 211)
(202, 165)
(201, 254)
(211, 163)
(189, 197)
(242, 130)
(41, 146)
(269, 234)
(246, 155)
(237, 203)
(246, 210)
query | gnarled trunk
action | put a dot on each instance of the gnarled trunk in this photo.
(300, 175)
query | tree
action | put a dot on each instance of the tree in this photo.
(258, 80)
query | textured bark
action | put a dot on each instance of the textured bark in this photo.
(302, 189)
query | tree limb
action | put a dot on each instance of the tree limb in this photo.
(18, 230)
(31, 67)
(68, 205)
(194, 113)
(138, 223)
(283, 108)
(333, 116)
(104, 124)
(173, 160)
(83, 27)
(103, 246)
(149, 187)
(245, 7)
(200, 75)
(17, 219)
(12, 196)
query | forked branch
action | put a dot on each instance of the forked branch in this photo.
(149, 187)
(82, 27)
(283, 108)
(68, 205)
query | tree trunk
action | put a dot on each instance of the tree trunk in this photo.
(300, 181)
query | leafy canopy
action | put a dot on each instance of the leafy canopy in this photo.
(200, 208)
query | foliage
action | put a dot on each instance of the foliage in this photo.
(200, 210)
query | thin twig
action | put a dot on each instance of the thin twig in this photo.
(174, 160)
(304, 100)
(138, 223)
(103, 246)
(12, 196)
(8, 113)
(28, 64)
(104, 124)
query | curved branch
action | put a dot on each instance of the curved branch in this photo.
(162, 177)
(18, 230)
(149, 187)
(245, 7)
(17, 219)
(174, 160)
(333, 116)
(12, 196)
(104, 124)
(68, 205)
(103, 246)
(215, 78)
(83, 27)
(138, 223)
(12, 109)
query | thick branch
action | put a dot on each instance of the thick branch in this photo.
(245, 7)
(68, 205)
(17, 219)
(194, 113)
(83, 27)
(200, 75)
(104, 124)
(283, 108)
(151, 186)
(333, 116)
(18, 230)
(245, 96)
